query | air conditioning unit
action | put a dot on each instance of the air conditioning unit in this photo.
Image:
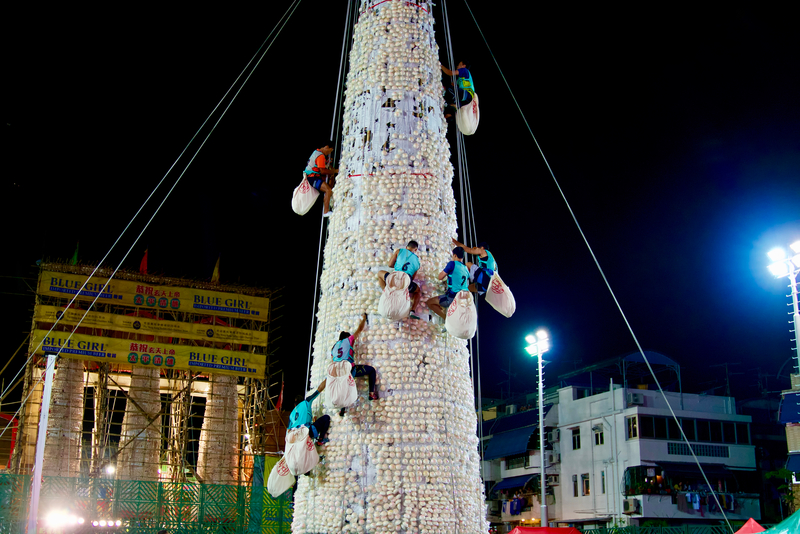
(511, 409)
(630, 506)
(635, 399)
(553, 436)
(597, 427)
(554, 458)
(553, 480)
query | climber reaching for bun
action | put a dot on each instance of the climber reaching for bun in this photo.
(320, 177)
(303, 416)
(465, 88)
(457, 276)
(481, 273)
(344, 350)
(407, 261)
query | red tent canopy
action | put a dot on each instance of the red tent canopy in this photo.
(751, 527)
(545, 530)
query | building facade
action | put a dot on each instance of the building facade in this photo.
(624, 461)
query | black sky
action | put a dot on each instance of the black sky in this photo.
(672, 132)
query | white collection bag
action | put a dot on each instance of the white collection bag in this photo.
(500, 297)
(303, 197)
(340, 386)
(280, 479)
(395, 302)
(468, 117)
(462, 317)
(301, 453)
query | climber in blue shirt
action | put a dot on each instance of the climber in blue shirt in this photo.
(303, 416)
(481, 274)
(344, 351)
(465, 88)
(407, 261)
(457, 275)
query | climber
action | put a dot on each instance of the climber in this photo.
(480, 274)
(466, 89)
(317, 172)
(457, 276)
(344, 349)
(302, 416)
(407, 261)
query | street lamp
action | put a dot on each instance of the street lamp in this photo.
(539, 344)
(784, 265)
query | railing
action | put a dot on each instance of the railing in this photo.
(147, 507)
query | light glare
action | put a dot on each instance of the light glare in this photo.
(779, 269)
(777, 254)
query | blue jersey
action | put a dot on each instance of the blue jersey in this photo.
(464, 81)
(407, 261)
(488, 262)
(343, 350)
(457, 276)
(301, 415)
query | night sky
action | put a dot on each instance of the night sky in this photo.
(673, 134)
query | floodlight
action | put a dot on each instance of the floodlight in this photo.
(795, 246)
(542, 334)
(102, 522)
(544, 345)
(779, 269)
(531, 349)
(796, 260)
(777, 254)
(530, 338)
(110, 469)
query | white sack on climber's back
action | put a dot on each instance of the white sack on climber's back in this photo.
(340, 387)
(303, 197)
(468, 117)
(280, 479)
(301, 453)
(395, 302)
(462, 317)
(499, 296)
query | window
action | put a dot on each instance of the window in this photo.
(576, 438)
(703, 431)
(729, 432)
(646, 426)
(585, 483)
(633, 431)
(688, 428)
(603, 481)
(714, 451)
(716, 431)
(661, 427)
(672, 428)
(518, 461)
(743, 433)
(599, 438)
(574, 485)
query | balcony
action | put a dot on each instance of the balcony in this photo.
(738, 506)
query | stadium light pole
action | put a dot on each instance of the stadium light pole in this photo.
(538, 345)
(784, 265)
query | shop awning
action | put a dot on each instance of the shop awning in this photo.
(508, 443)
(512, 482)
(790, 408)
(793, 463)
